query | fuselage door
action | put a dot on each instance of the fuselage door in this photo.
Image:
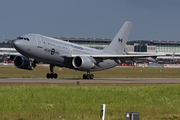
(39, 42)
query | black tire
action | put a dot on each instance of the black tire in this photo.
(30, 67)
(55, 76)
(51, 75)
(84, 76)
(88, 76)
(91, 76)
(48, 75)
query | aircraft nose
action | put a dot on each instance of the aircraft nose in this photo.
(16, 43)
(19, 46)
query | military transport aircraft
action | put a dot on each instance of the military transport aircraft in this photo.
(35, 48)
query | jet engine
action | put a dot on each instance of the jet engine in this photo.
(82, 63)
(22, 62)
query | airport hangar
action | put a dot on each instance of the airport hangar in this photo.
(135, 46)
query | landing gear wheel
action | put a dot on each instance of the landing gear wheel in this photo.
(48, 76)
(91, 76)
(30, 67)
(55, 76)
(84, 76)
(88, 76)
(51, 75)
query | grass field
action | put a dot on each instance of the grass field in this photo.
(72, 102)
(117, 72)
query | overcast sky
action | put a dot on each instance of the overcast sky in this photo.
(152, 19)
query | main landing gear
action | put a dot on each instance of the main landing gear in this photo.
(52, 74)
(88, 76)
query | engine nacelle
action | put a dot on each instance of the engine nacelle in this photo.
(82, 63)
(21, 62)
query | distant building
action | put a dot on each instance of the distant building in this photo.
(155, 46)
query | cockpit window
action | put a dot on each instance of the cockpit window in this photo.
(26, 39)
(22, 38)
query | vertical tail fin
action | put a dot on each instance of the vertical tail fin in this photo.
(118, 44)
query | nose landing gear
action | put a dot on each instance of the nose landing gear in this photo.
(32, 64)
(52, 74)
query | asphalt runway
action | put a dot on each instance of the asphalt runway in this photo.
(96, 80)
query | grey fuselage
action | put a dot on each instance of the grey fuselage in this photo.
(58, 52)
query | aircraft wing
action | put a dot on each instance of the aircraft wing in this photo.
(121, 56)
(150, 57)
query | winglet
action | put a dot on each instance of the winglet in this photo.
(118, 44)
